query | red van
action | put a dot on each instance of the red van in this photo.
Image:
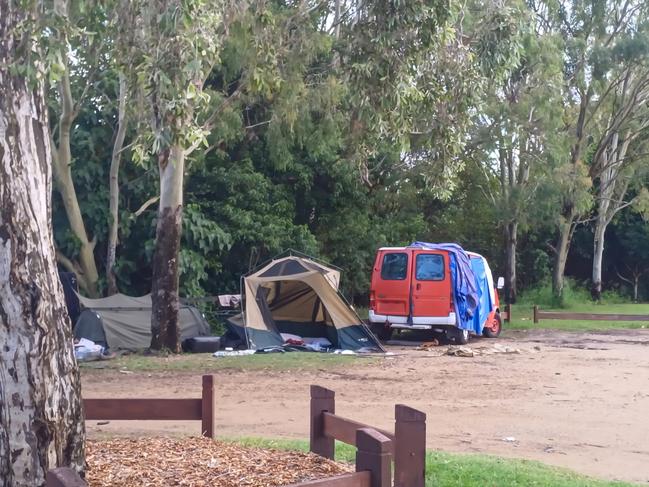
(412, 289)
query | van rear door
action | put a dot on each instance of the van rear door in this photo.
(431, 294)
(390, 287)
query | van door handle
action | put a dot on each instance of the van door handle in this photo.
(418, 286)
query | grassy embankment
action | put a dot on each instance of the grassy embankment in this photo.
(205, 362)
(450, 470)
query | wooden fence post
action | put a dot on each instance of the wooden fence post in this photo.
(373, 454)
(63, 477)
(208, 408)
(508, 309)
(409, 447)
(322, 400)
(536, 314)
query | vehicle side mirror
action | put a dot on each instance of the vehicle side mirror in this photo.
(501, 282)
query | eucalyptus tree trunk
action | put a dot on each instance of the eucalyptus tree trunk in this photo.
(569, 212)
(84, 265)
(566, 229)
(165, 332)
(114, 187)
(598, 249)
(611, 192)
(41, 418)
(511, 243)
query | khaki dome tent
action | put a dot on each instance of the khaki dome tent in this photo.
(121, 321)
(298, 296)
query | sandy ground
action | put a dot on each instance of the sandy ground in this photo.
(579, 400)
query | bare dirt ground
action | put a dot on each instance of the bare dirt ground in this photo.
(579, 400)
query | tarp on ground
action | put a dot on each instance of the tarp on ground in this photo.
(124, 322)
(465, 291)
(299, 296)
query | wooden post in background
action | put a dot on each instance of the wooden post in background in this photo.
(208, 408)
(322, 400)
(373, 454)
(536, 314)
(409, 447)
(508, 310)
(63, 477)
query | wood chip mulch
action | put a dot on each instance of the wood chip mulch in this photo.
(199, 462)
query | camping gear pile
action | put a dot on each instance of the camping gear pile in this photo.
(124, 322)
(293, 303)
(86, 351)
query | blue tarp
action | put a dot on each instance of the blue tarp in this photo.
(465, 289)
(484, 294)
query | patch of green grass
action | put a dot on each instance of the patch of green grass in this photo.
(206, 362)
(446, 469)
(522, 317)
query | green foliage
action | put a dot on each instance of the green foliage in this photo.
(542, 295)
(203, 242)
(167, 49)
(576, 296)
(335, 144)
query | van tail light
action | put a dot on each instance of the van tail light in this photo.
(372, 300)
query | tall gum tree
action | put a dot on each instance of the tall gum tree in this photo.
(116, 156)
(172, 48)
(514, 140)
(41, 425)
(620, 153)
(169, 48)
(83, 264)
(600, 41)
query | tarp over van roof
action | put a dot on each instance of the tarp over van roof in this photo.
(466, 297)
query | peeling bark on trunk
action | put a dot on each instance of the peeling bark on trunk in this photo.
(41, 418)
(511, 241)
(598, 254)
(114, 188)
(611, 192)
(165, 332)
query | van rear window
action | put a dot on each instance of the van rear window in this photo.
(429, 267)
(394, 267)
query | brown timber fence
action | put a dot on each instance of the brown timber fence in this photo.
(202, 409)
(506, 313)
(376, 448)
(407, 445)
(565, 315)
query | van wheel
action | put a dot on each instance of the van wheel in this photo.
(459, 336)
(494, 328)
(383, 333)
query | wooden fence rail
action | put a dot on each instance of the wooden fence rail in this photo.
(202, 409)
(506, 313)
(356, 479)
(565, 315)
(376, 449)
(63, 477)
(407, 446)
